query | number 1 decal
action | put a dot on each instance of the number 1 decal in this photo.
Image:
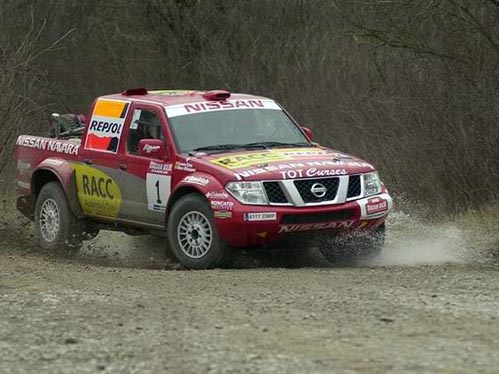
(158, 191)
(158, 200)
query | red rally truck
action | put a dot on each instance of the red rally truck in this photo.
(209, 170)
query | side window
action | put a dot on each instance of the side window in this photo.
(145, 125)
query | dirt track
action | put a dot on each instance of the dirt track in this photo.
(114, 308)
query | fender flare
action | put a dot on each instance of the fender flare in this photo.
(201, 183)
(65, 174)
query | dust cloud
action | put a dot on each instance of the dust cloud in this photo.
(410, 241)
(119, 249)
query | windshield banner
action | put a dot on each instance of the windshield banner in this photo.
(213, 106)
(243, 160)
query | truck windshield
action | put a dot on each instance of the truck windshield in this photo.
(235, 129)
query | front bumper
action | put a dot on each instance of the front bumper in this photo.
(252, 226)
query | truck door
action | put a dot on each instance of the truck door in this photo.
(97, 172)
(145, 180)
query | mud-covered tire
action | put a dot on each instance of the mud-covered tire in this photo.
(192, 235)
(351, 250)
(56, 226)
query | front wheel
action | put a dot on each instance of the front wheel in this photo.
(351, 250)
(56, 226)
(192, 234)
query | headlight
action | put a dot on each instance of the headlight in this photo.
(247, 192)
(372, 184)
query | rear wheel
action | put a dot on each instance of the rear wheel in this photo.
(192, 235)
(353, 249)
(56, 226)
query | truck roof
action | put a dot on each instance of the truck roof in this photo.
(175, 97)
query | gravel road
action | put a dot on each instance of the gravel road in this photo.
(120, 307)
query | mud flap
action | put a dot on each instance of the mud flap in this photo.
(26, 205)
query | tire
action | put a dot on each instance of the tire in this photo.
(56, 225)
(192, 234)
(351, 250)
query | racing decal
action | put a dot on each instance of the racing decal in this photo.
(106, 125)
(267, 216)
(134, 125)
(149, 148)
(213, 106)
(315, 226)
(222, 214)
(248, 159)
(44, 144)
(245, 160)
(197, 180)
(25, 185)
(23, 167)
(158, 185)
(361, 164)
(217, 195)
(158, 188)
(269, 168)
(98, 193)
(184, 166)
(53, 161)
(304, 169)
(309, 152)
(221, 205)
(376, 205)
(160, 168)
(312, 172)
(172, 92)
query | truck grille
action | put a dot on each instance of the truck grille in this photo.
(354, 188)
(304, 187)
(275, 193)
(336, 190)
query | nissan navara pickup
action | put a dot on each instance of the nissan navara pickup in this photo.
(211, 171)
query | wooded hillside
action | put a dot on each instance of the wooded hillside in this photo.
(411, 85)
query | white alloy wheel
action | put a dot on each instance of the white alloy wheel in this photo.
(56, 226)
(194, 234)
(49, 220)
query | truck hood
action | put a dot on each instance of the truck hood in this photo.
(285, 163)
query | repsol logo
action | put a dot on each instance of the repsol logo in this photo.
(107, 127)
(94, 186)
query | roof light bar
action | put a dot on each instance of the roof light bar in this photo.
(216, 95)
(135, 91)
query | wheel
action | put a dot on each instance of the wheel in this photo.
(192, 235)
(353, 249)
(56, 225)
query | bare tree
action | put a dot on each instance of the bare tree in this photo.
(410, 84)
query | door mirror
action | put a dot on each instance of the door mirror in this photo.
(153, 148)
(308, 133)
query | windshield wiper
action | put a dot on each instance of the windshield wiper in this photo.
(258, 145)
(278, 144)
(225, 147)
